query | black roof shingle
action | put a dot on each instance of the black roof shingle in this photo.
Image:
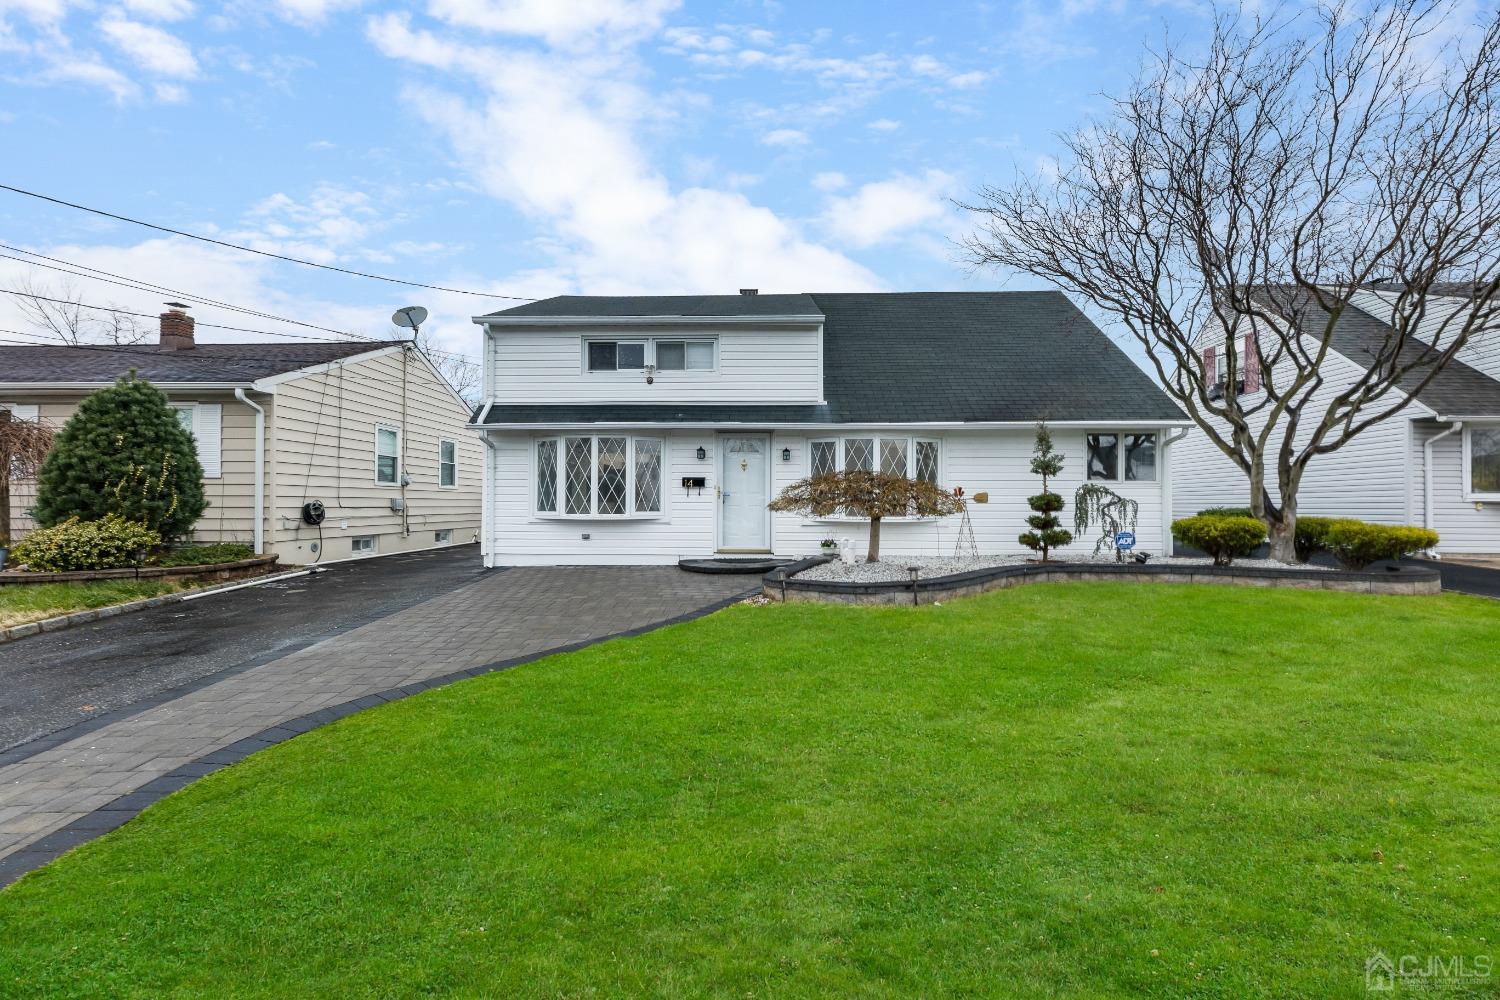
(911, 357)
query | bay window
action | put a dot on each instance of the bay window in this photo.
(604, 476)
(1114, 456)
(894, 456)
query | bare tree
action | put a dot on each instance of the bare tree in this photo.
(59, 312)
(465, 376)
(23, 447)
(1245, 197)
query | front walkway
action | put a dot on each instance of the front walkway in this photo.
(66, 794)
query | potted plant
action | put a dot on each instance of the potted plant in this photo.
(828, 546)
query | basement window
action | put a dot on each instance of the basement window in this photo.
(443, 537)
(362, 545)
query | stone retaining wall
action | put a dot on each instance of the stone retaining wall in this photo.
(238, 570)
(782, 584)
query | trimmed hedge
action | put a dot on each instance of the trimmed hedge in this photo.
(1356, 544)
(204, 555)
(1311, 536)
(1224, 538)
(108, 543)
(1226, 512)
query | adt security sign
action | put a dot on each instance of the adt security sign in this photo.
(1125, 540)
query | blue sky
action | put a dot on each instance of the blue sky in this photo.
(532, 147)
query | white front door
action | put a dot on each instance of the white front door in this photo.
(742, 493)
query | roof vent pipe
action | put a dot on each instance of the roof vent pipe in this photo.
(749, 291)
(176, 329)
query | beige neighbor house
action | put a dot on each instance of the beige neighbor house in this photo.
(371, 431)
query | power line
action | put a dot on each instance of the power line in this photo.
(263, 253)
(139, 285)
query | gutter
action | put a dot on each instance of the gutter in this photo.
(260, 468)
(487, 502)
(1427, 473)
(842, 427)
(798, 319)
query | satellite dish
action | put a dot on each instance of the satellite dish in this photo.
(410, 317)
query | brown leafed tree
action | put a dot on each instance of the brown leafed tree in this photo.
(23, 446)
(463, 375)
(1242, 197)
(873, 495)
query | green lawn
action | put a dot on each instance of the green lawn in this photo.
(29, 602)
(1085, 790)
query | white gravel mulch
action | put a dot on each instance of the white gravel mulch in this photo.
(899, 568)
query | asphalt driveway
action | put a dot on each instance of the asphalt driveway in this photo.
(51, 681)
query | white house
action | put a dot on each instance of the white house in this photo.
(1435, 464)
(649, 429)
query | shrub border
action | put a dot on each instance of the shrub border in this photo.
(782, 584)
(232, 569)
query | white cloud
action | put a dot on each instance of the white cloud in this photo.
(965, 81)
(149, 47)
(556, 137)
(313, 12)
(784, 137)
(830, 180)
(556, 22)
(883, 125)
(879, 211)
(160, 10)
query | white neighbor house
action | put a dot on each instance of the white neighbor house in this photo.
(649, 429)
(1435, 464)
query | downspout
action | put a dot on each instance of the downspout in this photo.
(1166, 491)
(260, 468)
(486, 505)
(1427, 518)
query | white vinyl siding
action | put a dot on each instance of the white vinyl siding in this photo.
(750, 365)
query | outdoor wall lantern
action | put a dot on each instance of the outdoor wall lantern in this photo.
(786, 454)
(701, 453)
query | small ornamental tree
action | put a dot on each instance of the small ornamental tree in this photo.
(123, 452)
(1045, 535)
(23, 448)
(866, 494)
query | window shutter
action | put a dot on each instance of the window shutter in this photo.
(27, 411)
(1252, 363)
(1210, 366)
(208, 418)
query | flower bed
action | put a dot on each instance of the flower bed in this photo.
(801, 581)
(236, 570)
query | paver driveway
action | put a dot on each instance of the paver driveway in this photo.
(66, 794)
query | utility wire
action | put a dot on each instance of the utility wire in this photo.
(263, 253)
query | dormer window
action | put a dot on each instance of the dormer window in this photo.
(667, 354)
(616, 355)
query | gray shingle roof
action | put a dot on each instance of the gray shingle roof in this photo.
(602, 306)
(922, 357)
(1457, 390)
(204, 363)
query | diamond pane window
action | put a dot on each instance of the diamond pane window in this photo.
(647, 476)
(577, 489)
(859, 454)
(611, 475)
(927, 461)
(546, 476)
(893, 457)
(825, 458)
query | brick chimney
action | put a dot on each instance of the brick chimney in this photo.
(176, 329)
